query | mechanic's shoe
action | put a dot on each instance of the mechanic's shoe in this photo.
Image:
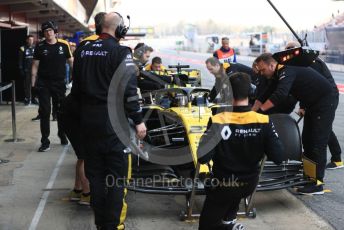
(237, 226)
(44, 148)
(335, 165)
(75, 195)
(26, 101)
(36, 118)
(85, 199)
(312, 189)
(34, 101)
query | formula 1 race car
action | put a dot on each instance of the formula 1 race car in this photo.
(186, 76)
(176, 119)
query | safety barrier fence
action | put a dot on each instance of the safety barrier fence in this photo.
(3, 87)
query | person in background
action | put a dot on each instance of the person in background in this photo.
(25, 64)
(156, 65)
(49, 65)
(225, 54)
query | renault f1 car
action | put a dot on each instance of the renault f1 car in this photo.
(186, 76)
(176, 119)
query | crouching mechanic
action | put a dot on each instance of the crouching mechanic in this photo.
(244, 137)
(95, 65)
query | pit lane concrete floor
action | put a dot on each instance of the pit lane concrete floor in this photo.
(34, 189)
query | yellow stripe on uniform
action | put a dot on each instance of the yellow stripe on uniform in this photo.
(240, 118)
(67, 44)
(91, 38)
(125, 206)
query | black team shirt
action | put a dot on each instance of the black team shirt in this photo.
(52, 60)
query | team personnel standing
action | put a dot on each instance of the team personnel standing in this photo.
(315, 93)
(70, 118)
(25, 64)
(225, 54)
(333, 144)
(245, 136)
(49, 65)
(95, 64)
(221, 73)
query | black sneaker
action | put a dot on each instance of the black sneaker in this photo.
(36, 118)
(234, 226)
(335, 165)
(34, 101)
(64, 141)
(312, 189)
(44, 148)
(26, 101)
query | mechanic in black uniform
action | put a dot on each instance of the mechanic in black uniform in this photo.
(244, 137)
(146, 81)
(333, 144)
(221, 73)
(315, 93)
(95, 64)
(49, 64)
(265, 87)
(25, 65)
(70, 120)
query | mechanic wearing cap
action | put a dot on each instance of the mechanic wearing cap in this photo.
(95, 65)
(49, 65)
(70, 119)
(315, 93)
(221, 73)
(225, 54)
(333, 144)
(241, 138)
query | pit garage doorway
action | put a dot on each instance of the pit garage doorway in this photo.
(10, 42)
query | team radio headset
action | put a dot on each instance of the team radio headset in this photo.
(46, 25)
(121, 29)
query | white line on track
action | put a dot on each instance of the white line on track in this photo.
(41, 205)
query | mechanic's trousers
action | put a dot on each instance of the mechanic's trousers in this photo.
(69, 118)
(27, 86)
(317, 127)
(107, 168)
(222, 203)
(46, 91)
(333, 143)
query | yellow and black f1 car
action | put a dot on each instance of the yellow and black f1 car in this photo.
(176, 120)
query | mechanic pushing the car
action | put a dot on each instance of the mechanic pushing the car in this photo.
(314, 92)
(333, 144)
(245, 136)
(49, 65)
(95, 64)
(221, 73)
(225, 54)
(266, 86)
